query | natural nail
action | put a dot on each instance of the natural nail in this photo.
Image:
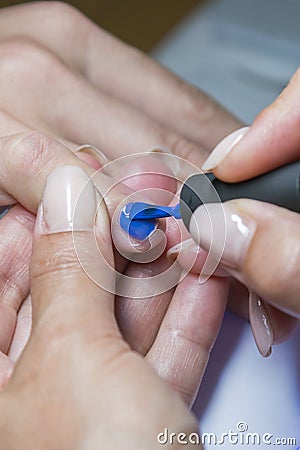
(261, 325)
(224, 148)
(92, 155)
(69, 201)
(188, 245)
(221, 229)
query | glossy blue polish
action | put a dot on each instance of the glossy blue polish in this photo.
(139, 219)
(141, 211)
(138, 229)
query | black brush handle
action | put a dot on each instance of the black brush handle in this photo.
(280, 187)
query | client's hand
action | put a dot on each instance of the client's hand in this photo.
(78, 385)
(174, 328)
(61, 74)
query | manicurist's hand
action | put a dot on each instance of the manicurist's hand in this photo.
(78, 385)
(262, 246)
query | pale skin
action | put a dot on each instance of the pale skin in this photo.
(93, 378)
(69, 93)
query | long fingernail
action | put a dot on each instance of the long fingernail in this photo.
(92, 156)
(261, 325)
(69, 201)
(223, 231)
(224, 148)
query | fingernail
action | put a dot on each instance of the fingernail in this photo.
(137, 229)
(69, 201)
(186, 246)
(224, 148)
(160, 149)
(260, 325)
(221, 229)
(92, 155)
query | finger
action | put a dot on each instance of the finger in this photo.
(22, 331)
(6, 368)
(181, 349)
(283, 325)
(16, 241)
(83, 46)
(63, 285)
(32, 156)
(273, 140)
(261, 249)
(123, 130)
(191, 258)
(139, 316)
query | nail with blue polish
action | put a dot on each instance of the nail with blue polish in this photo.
(139, 219)
(137, 229)
(141, 211)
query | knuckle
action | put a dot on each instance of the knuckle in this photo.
(18, 52)
(58, 9)
(60, 261)
(11, 292)
(18, 56)
(196, 102)
(61, 15)
(183, 148)
(31, 153)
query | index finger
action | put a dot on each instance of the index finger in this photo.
(272, 141)
(145, 84)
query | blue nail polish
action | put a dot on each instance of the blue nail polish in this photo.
(138, 229)
(141, 211)
(139, 219)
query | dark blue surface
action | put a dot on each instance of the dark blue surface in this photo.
(138, 229)
(141, 211)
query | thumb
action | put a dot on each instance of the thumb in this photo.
(72, 283)
(260, 246)
(272, 141)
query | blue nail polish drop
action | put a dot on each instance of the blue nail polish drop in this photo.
(136, 228)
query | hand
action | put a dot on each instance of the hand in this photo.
(171, 335)
(62, 74)
(78, 385)
(264, 252)
(53, 79)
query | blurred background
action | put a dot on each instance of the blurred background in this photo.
(141, 23)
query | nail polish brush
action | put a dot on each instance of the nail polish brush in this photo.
(280, 187)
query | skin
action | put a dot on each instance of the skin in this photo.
(273, 140)
(89, 370)
(48, 83)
